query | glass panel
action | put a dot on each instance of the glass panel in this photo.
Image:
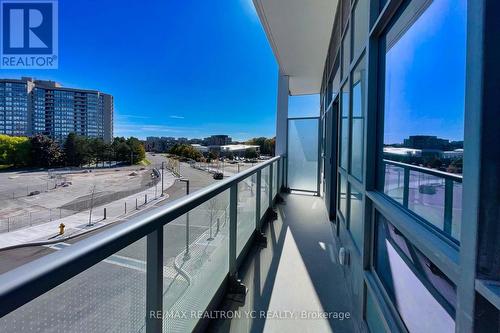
(346, 52)
(264, 191)
(344, 127)
(190, 282)
(457, 210)
(358, 119)
(356, 216)
(360, 25)
(246, 211)
(343, 195)
(275, 179)
(400, 265)
(394, 182)
(109, 296)
(372, 317)
(303, 139)
(426, 197)
(425, 127)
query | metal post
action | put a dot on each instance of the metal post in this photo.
(125, 207)
(50, 214)
(136, 207)
(233, 215)
(145, 198)
(218, 225)
(162, 188)
(186, 253)
(104, 213)
(154, 281)
(257, 200)
(406, 186)
(8, 224)
(31, 222)
(448, 206)
(271, 171)
(60, 213)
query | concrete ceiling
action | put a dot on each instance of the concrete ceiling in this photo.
(299, 33)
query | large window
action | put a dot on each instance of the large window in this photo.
(424, 111)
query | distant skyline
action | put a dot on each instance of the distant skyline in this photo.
(173, 70)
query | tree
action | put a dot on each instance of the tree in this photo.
(45, 152)
(266, 145)
(15, 150)
(251, 153)
(137, 149)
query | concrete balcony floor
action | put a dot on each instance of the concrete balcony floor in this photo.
(298, 273)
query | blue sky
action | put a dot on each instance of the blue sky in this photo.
(176, 68)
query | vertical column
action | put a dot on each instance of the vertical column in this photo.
(282, 114)
(154, 281)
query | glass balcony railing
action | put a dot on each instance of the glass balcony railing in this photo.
(137, 276)
(433, 195)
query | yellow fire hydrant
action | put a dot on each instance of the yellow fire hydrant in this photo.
(61, 228)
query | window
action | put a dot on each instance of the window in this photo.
(346, 52)
(425, 51)
(356, 216)
(344, 127)
(358, 119)
(343, 196)
(422, 294)
(360, 26)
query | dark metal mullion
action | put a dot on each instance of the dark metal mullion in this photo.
(154, 281)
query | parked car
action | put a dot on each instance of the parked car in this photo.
(218, 175)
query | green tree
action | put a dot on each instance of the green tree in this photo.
(45, 152)
(251, 153)
(15, 150)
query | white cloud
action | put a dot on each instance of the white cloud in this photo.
(176, 117)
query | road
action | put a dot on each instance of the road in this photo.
(110, 296)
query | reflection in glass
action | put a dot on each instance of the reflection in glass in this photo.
(417, 287)
(344, 127)
(356, 216)
(358, 119)
(424, 109)
(343, 195)
(360, 25)
(246, 211)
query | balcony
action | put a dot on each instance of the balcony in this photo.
(134, 277)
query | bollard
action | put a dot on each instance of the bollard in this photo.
(218, 225)
(104, 213)
(125, 207)
(136, 204)
(8, 224)
(145, 198)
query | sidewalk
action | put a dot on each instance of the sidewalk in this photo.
(79, 223)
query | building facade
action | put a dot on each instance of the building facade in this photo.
(407, 167)
(29, 107)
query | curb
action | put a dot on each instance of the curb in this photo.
(55, 241)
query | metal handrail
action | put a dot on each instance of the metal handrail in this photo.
(432, 172)
(23, 284)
